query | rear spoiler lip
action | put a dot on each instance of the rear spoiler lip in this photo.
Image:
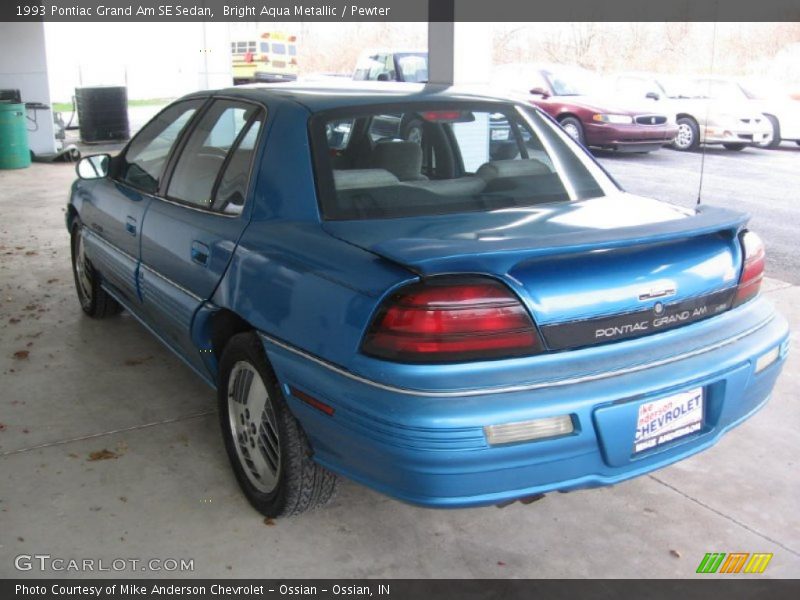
(428, 255)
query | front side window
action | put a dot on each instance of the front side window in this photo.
(216, 144)
(460, 158)
(143, 163)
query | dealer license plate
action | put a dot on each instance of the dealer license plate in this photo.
(668, 419)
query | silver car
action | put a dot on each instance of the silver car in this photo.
(701, 119)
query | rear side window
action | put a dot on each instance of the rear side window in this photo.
(143, 163)
(222, 143)
(446, 159)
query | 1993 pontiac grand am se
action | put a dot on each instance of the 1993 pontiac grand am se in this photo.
(475, 315)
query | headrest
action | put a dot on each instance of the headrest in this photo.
(399, 157)
(354, 179)
(512, 168)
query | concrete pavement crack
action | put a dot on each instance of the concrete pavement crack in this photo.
(105, 433)
(724, 516)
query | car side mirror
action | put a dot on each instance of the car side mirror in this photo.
(652, 95)
(93, 167)
(540, 92)
(383, 77)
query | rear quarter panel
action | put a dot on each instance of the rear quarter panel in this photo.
(288, 278)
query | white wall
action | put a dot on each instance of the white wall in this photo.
(460, 53)
(23, 66)
(154, 60)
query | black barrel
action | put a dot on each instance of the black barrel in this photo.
(102, 113)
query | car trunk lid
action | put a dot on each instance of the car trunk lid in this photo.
(591, 271)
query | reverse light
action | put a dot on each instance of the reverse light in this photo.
(449, 319)
(526, 431)
(752, 269)
(614, 119)
(766, 359)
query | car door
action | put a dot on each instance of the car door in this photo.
(117, 204)
(193, 225)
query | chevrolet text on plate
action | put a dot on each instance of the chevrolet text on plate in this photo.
(435, 293)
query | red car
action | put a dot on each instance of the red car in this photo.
(574, 97)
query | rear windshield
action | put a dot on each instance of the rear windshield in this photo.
(380, 163)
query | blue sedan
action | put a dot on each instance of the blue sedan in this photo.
(435, 293)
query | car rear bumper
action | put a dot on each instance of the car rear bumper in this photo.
(632, 138)
(430, 449)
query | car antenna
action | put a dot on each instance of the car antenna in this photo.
(708, 96)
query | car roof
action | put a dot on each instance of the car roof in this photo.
(319, 96)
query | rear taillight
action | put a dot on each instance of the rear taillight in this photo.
(451, 319)
(752, 269)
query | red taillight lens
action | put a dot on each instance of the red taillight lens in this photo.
(449, 320)
(753, 268)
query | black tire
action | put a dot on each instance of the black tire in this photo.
(688, 137)
(300, 484)
(94, 300)
(574, 129)
(735, 147)
(775, 140)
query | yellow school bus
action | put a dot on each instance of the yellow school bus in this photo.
(271, 56)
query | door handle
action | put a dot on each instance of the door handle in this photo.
(130, 225)
(200, 253)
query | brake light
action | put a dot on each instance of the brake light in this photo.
(265, 58)
(293, 61)
(448, 116)
(248, 57)
(752, 269)
(451, 319)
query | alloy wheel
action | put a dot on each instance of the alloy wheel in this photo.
(572, 131)
(685, 137)
(254, 427)
(83, 272)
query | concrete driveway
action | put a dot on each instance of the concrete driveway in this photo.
(109, 448)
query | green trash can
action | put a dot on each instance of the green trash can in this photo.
(14, 150)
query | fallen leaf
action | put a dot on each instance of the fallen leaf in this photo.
(269, 522)
(675, 553)
(31, 253)
(500, 563)
(123, 499)
(21, 354)
(53, 280)
(13, 320)
(103, 454)
(25, 431)
(96, 508)
(20, 539)
(72, 455)
(230, 568)
(2, 426)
